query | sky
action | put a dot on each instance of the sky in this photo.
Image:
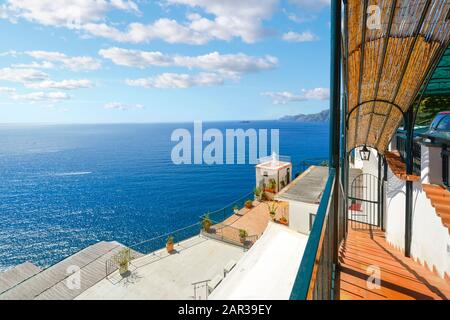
(121, 61)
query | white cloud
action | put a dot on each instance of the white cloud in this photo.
(299, 17)
(228, 63)
(76, 63)
(283, 97)
(232, 18)
(68, 13)
(306, 36)
(7, 90)
(311, 4)
(164, 29)
(34, 65)
(42, 96)
(231, 65)
(62, 85)
(136, 58)
(219, 20)
(286, 97)
(122, 106)
(317, 94)
(178, 80)
(22, 75)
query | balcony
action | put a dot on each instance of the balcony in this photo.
(365, 265)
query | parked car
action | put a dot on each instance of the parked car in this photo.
(440, 127)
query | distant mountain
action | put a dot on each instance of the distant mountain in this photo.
(322, 116)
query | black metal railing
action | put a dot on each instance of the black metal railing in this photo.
(229, 234)
(315, 277)
(401, 148)
(230, 209)
(201, 289)
(224, 232)
(302, 166)
(445, 166)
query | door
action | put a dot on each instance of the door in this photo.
(364, 202)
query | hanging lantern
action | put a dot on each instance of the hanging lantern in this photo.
(364, 153)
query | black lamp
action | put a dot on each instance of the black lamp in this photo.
(364, 153)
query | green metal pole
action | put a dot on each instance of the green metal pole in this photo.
(335, 108)
(409, 126)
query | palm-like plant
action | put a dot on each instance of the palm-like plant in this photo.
(272, 206)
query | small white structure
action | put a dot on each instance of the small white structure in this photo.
(273, 173)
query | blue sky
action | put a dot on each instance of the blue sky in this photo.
(104, 61)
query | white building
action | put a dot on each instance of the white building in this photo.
(273, 173)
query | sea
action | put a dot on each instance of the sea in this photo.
(65, 187)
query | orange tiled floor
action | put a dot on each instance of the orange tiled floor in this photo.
(401, 277)
(255, 220)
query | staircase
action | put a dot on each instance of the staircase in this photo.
(401, 278)
(440, 200)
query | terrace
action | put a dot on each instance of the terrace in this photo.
(370, 238)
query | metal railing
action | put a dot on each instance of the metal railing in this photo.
(445, 166)
(159, 242)
(401, 148)
(227, 211)
(271, 158)
(302, 166)
(154, 244)
(231, 235)
(315, 277)
(199, 288)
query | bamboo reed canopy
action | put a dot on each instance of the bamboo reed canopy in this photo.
(387, 64)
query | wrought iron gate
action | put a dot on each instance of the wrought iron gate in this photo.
(364, 211)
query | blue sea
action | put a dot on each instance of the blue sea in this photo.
(64, 187)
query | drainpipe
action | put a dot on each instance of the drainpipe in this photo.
(383, 192)
(335, 99)
(380, 189)
(409, 126)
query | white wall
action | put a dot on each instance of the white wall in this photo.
(431, 165)
(430, 239)
(273, 174)
(299, 215)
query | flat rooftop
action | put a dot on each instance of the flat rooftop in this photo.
(308, 187)
(273, 165)
(163, 276)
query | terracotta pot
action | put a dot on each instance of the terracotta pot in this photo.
(207, 226)
(242, 240)
(169, 247)
(249, 205)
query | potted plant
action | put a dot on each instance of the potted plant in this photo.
(272, 209)
(283, 220)
(257, 192)
(206, 222)
(122, 259)
(169, 244)
(236, 209)
(249, 204)
(264, 196)
(243, 234)
(272, 185)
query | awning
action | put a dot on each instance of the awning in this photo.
(439, 84)
(385, 66)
